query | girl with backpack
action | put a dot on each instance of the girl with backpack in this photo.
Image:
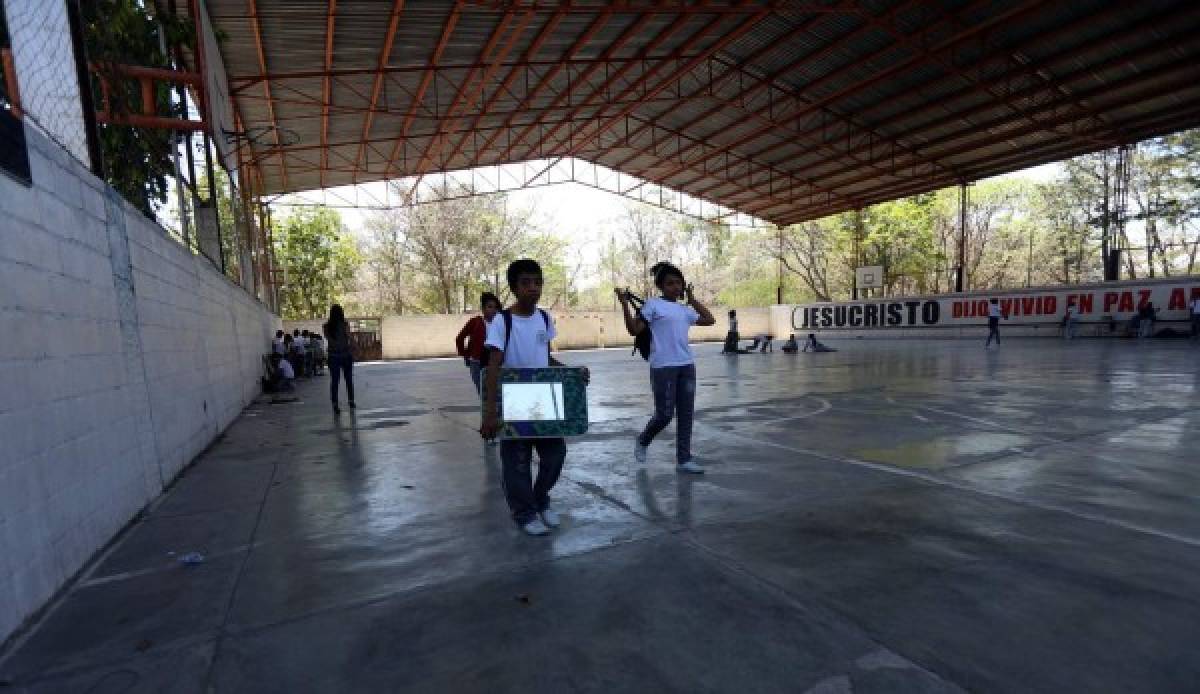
(469, 342)
(672, 366)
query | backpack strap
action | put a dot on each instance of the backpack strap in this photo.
(507, 314)
(546, 320)
(508, 323)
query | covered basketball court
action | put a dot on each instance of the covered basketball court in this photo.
(916, 516)
(894, 517)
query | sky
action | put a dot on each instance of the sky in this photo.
(584, 215)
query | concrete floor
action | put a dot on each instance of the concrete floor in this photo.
(913, 516)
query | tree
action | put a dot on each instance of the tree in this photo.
(319, 261)
(137, 161)
(439, 255)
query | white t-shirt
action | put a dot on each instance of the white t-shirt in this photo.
(529, 346)
(1196, 307)
(285, 367)
(669, 322)
(994, 311)
(277, 345)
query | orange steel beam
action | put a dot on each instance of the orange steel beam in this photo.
(243, 82)
(527, 17)
(447, 30)
(758, 85)
(262, 66)
(981, 162)
(745, 93)
(10, 80)
(1183, 66)
(327, 90)
(582, 40)
(937, 60)
(814, 106)
(602, 90)
(725, 40)
(450, 120)
(1185, 31)
(530, 52)
(630, 32)
(385, 54)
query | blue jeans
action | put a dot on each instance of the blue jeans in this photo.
(674, 392)
(526, 497)
(341, 364)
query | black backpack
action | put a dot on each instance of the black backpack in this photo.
(641, 341)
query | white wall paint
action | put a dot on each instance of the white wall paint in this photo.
(124, 356)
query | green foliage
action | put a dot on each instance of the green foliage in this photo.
(137, 161)
(439, 256)
(319, 261)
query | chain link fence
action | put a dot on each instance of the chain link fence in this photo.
(44, 61)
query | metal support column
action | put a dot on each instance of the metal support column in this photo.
(960, 283)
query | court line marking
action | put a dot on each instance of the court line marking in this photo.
(960, 486)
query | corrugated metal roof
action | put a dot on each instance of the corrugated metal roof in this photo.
(785, 110)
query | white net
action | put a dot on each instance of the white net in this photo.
(47, 79)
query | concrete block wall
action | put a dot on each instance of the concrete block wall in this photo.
(421, 336)
(124, 356)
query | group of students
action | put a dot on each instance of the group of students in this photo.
(305, 353)
(765, 343)
(486, 346)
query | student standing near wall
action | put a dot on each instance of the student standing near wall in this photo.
(341, 359)
(527, 347)
(470, 339)
(672, 365)
(731, 337)
(1069, 322)
(1196, 318)
(994, 314)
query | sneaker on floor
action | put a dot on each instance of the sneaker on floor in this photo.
(690, 467)
(639, 452)
(550, 517)
(493, 441)
(535, 527)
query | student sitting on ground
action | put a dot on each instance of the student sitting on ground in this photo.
(791, 346)
(762, 343)
(812, 345)
(316, 352)
(286, 382)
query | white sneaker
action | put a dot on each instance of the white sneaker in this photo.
(535, 527)
(690, 467)
(493, 442)
(550, 518)
(639, 452)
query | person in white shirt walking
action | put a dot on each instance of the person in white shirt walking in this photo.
(994, 315)
(527, 347)
(1069, 322)
(672, 365)
(1196, 317)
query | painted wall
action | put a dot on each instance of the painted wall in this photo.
(1104, 310)
(125, 356)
